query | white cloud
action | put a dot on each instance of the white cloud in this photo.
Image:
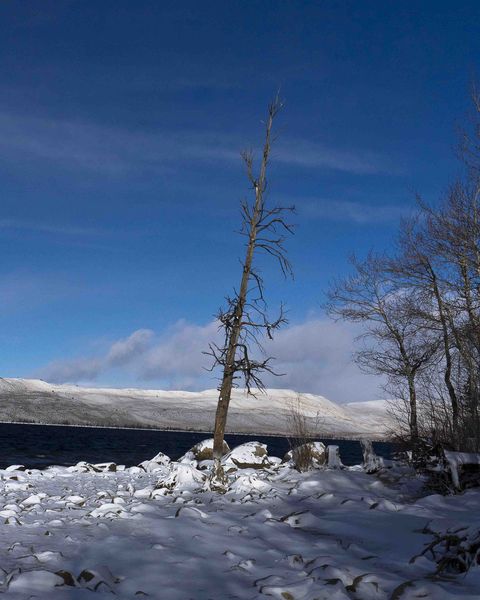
(357, 212)
(178, 356)
(123, 352)
(116, 151)
(316, 357)
(305, 153)
(51, 228)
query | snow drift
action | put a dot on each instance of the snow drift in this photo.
(162, 530)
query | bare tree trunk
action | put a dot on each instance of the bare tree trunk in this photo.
(448, 357)
(410, 373)
(412, 396)
(234, 334)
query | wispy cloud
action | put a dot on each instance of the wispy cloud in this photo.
(314, 155)
(119, 151)
(123, 352)
(53, 228)
(356, 212)
(316, 356)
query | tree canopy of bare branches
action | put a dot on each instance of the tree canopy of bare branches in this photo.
(394, 342)
(420, 312)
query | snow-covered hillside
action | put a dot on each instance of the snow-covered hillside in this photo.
(35, 401)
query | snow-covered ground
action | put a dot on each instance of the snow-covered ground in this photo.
(31, 400)
(159, 531)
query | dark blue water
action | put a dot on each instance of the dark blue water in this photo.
(37, 446)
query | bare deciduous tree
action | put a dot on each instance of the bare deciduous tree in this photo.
(450, 241)
(244, 320)
(420, 310)
(395, 343)
(416, 268)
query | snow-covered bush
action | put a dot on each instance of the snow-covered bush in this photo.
(307, 456)
(454, 551)
(304, 453)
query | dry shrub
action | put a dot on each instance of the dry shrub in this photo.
(302, 430)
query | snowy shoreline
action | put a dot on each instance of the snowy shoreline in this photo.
(163, 529)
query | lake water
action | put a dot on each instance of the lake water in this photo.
(37, 446)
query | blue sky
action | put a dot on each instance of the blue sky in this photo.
(121, 125)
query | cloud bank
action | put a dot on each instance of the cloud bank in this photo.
(315, 356)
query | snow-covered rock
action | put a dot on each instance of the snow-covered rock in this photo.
(181, 477)
(158, 462)
(98, 579)
(85, 467)
(33, 500)
(109, 509)
(201, 452)
(248, 482)
(15, 468)
(251, 455)
(38, 580)
(456, 460)
(161, 459)
(102, 467)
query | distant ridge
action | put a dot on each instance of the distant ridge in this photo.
(36, 401)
